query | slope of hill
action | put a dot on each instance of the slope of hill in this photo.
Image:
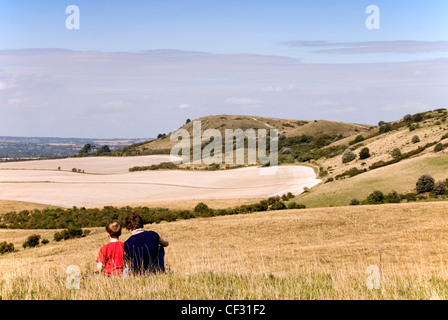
(294, 254)
(431, 130)
(289, 128)
(401, 177)
(382, 170)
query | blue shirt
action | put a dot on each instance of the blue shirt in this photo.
(142, 251)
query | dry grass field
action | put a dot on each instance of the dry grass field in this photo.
(8, 206)
(294, 254)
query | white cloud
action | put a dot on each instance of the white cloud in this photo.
(339, 110)
(243, 101)
(326, 103)
(410, 106)
(278, 89)
(14, 101)
(398, 46)
(115, 105)
(183, 106)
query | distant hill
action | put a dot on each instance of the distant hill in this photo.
(388, 157)
(286, 127)
(24, 148)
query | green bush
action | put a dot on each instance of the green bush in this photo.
(364, 154)
(440, 188)
(6, 247)
(351, 173)
(70, 233)
(278, 206)
(295, 205)
(425, 183)
(63, 235)
(359, 138)
(438, 147)
(355, 202)
(201, 207)
(45, 241)
(393, 197)
(415, 139)
(376, 197)
(396, 153)
(32, 241)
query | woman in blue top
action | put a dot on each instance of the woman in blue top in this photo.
(143, 251)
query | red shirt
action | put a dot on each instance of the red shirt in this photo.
(111, 256)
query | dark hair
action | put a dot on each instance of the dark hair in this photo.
(133, 221)
(113, 228)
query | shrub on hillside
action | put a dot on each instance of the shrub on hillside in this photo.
(355, 202)
(272, 200)
(425, 183)
(278, 206)
(295, 205)
(393, 197)
(359, 138)
(364, 154)
(348, 156)
(31, 241)
(6, 247)
(396, 153)
(438, 147)
(415, 139)
(440, 188)
(201, 207)
(385, 127)
(70, 233)
(376, 197)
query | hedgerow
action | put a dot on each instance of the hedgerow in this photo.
(89, 218)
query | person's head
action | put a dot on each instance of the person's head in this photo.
(133, 222)
(113, 228)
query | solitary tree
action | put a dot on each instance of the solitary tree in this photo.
(425, 183)
(415, 139)
(396, 153)
(364, 154)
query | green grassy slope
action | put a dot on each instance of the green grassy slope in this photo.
(400, 177)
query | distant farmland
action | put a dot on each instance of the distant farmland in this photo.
(107, 181)
(22, 148)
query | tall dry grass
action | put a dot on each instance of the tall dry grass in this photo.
(297, 254)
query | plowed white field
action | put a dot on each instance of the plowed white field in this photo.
(107, 181)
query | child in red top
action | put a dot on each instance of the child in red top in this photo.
(110, 258)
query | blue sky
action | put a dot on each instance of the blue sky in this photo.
(283, 59)
(241, 26)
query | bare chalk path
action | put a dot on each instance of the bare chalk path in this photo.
(112, 184)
